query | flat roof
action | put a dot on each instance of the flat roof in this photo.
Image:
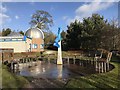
(5, 37)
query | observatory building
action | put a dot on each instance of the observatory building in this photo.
(32, 41)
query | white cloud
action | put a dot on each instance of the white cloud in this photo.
(87, 9)
(3, 9)
(17, 17)
(3, 16)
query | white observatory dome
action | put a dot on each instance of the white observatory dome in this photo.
(34, 33)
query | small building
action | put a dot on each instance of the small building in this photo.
(32, 41)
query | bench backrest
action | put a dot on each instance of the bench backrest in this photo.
(109, 56)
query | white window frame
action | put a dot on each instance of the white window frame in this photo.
(41, 47)
(34, 46)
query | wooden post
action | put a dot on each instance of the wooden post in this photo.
(81, 62)
(99, 67)
(18, 64)
(29, 62)
(68, 60)
(93, 62)
(74, 61)
(12, 65)
(15, 65)
(22, 60)
(102, 67)
(26, 61)
(105, 66)
(96, 65)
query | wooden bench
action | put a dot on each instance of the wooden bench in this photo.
(102, 64)
(100, 59)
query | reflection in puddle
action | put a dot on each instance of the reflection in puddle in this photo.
(59, 68)
(50, 70)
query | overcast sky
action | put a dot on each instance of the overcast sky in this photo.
(17, 15)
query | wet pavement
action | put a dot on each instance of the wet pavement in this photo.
(53, 71)
(45, 74)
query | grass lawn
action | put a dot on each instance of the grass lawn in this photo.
(9, 80)
(102, 80)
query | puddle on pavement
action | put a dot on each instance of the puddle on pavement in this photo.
(53, 71)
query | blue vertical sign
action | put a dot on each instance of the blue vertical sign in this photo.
(57, 39)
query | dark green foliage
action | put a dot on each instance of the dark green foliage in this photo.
(21, 32)
(5, 32)
(63, 34)
(93, 33)
(92, 28)
(49, 39)
(73, 36)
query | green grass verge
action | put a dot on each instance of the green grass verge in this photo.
(9, 80)
(103, 80)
